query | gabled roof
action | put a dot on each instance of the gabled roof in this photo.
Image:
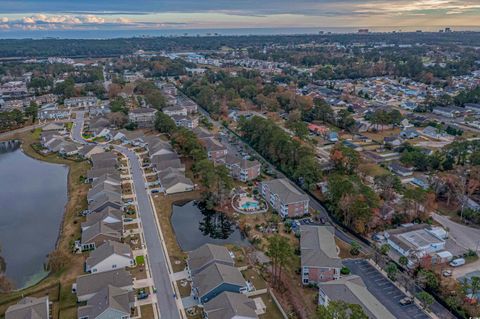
(215, 275)
(29, 308)
(351, 289)
(100, 188)
(211, 144)
(105, 197)
(228, 305)
(113, 213)
(97, 229)
(285, 191)
(109, 297)
(92, 283)
(318, 248)
(207, 254)
(106, 250)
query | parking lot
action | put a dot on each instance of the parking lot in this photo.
(384, 290)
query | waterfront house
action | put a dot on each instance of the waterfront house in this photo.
(109, 256)
(319, 254)
(87, 286)
(99, 233)
(215, 279)
(88, 150)
(206, 255)
(109, 215)
(173, 181)
(108, 302)
(29, 308)
(285, 198)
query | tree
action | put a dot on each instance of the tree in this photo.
(340, 310)
(428, 279)
(355, 248)
(119, 105)
(403, 261)
(32, 111)
(384, 249)
(280, 251)
(426, 299)
(344, 159)
(164, 123)
(392, 271)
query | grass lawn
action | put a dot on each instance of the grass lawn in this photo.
(184, 290)
(254, 277)
(77, 194)
(163, 206)
(140, 260)
(146, 312)
(272, 311)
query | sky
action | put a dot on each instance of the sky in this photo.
(34, 15)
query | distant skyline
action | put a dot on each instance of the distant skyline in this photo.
(102, 15)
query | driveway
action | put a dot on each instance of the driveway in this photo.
(384, 290)
(465, 236)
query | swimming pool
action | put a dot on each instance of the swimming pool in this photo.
(249, 205)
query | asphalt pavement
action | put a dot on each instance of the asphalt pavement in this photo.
(384, 290)
(77, 127)
(156, 256)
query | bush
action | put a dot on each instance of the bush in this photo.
(345, 271)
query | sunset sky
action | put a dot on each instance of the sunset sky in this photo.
(191, 14)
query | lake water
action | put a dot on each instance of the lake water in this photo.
(33, 195)
(195, 226)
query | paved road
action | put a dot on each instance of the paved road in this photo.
(384, 290)
(77, 127)
(156, 255)
(465, 236)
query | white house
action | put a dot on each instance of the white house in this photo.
(109, 256)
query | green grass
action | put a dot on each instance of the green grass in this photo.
(140, 260)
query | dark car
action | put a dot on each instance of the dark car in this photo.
(322, 220)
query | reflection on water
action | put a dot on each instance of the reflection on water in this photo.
(194, 226)
(33, 195)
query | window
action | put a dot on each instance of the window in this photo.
(114, 266)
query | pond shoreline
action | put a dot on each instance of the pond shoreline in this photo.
(69, 226)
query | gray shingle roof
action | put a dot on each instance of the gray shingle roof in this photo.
(100, 228)
(286, 191)
(29, 308)
(208, 254)
(109, 297)
(351, 289)
(318, 248)
(106, 250)
(228, 305)
(92, 283)
(215, 275)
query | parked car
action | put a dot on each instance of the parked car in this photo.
(457, 262)
(322, 220)
(447, 273)
(406, 301)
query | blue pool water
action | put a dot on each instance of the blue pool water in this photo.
(249, 205)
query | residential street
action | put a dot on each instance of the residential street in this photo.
(157, 257)
(78, 127)
(465, 236)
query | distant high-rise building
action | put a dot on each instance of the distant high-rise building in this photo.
(448, 30)
(363, 31)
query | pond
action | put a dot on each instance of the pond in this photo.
(194, 226)
(33, 195)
